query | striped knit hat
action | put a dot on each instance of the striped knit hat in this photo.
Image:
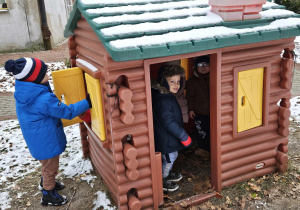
(27, 69)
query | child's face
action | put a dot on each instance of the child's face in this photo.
(46, 78)
(203, 68)
(174, 83)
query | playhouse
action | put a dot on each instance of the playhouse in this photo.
(114, 47)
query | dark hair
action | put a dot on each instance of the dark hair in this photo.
(4, 5)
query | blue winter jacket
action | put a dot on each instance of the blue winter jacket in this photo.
(39, 113)
(167, 122)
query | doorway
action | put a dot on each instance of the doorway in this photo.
(195, 168)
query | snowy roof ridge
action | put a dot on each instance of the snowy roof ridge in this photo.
(148, 7)
(116, 2)
(199, 34)
(210, 18)
(151, 16)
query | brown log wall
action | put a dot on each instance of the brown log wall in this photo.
(109, 160)
(240, 155)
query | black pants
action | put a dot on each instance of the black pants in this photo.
(202, 123)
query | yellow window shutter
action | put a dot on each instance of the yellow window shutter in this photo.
(69, 83)
(93, 88)
(250, 98)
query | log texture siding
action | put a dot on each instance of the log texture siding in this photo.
(234, 157)
(108, 158)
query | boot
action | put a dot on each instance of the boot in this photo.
(58, 185)
(52, 198)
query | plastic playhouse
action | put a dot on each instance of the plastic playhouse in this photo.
(114, 47)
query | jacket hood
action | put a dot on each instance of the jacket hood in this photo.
(157, 87)
(27, 92)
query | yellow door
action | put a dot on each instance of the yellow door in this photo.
(185, 64)
(69, 88)
(250, 98)
(93, 88)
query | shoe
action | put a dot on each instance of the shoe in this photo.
(58, 185)
(52, 198)
(169, 186)
(174, 177)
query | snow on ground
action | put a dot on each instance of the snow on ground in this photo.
(16, 161)
(297, 49)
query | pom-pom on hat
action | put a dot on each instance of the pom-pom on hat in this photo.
(27, 69)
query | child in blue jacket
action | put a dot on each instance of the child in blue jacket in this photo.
(169, 135)
(39, 113)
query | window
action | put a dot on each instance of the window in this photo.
(69, 6)
(3, 5)
(251, 98)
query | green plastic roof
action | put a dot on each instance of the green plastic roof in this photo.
(169, 49)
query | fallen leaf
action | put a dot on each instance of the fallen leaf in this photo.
(180, 194)
(183, 204)
(218, 195)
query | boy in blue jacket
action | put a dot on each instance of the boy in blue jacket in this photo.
(39, 113)
(169, 135)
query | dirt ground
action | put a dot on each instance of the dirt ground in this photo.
(26, 195)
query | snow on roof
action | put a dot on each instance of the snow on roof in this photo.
(199, 34)
(104, 2)
(210, 18)
(276, 13)
(151, 16)
(148, 7)
(124, 26)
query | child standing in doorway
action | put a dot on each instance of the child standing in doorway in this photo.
(169, 135)
(198, 99)
(39, 113)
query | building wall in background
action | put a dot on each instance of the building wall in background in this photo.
(17, 30)
(20, 25)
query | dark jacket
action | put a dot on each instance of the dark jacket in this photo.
(39, 113)
(167, 121)
(197, 94)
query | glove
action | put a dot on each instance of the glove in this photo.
(187, 142)
(89, 100)
(86, 116)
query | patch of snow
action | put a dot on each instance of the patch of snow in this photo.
(150, 16)
(276, 13)
(210, 18)
(295, 109)
(102, 201)
(87, 64)
(103, 2)
(199, 34)
(5, 200)
(7, 80)
(268, 5)
(147, 7)
(297, 49)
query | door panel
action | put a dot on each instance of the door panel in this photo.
(69, 88)
(94, 89)
(250, 98)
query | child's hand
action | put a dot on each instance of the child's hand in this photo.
(86, 116)
(187, 142)
(192, 114)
